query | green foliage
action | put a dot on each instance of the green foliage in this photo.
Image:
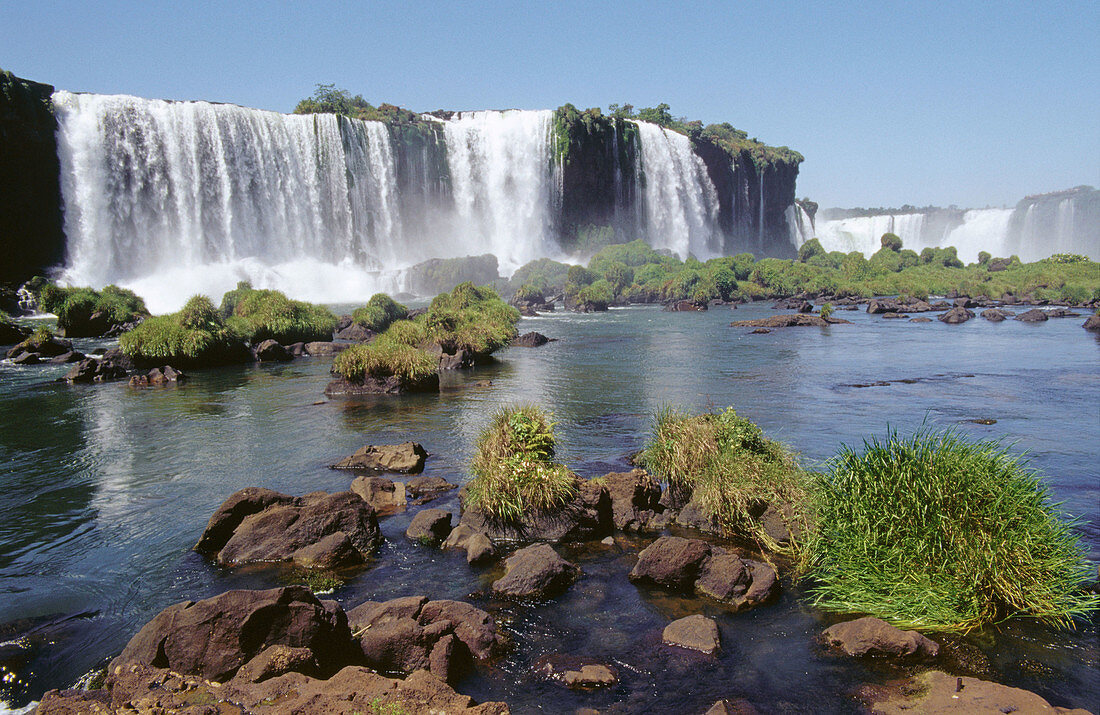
(197, 335)
(1066, 258)
(725, 463)
(633, 254)
(260, 315)
(545, 274)
(231, 298)
(379, 313)
(826, 310)
(328, 99)
(529, 293)
(619, 276)
(984, 258)
(75, 306)
(472, 319)
(513, 469)
(38, 338)
(941, 532)
(810, 249)
(599, 295)
(384, 357)
(891, 241)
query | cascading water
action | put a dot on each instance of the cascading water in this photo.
(864, 233)
(681, 204)
(502, 184)
(799, 223)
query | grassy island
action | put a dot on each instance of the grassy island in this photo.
(258, 315)
(84, 312)
(196, 336)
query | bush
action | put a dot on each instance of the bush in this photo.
(472, 319)
(231, 298)
(382, 358)
(891, 241)
(810, 249)
(529, 293)
(513, 469)
(826, 310)
(545, 274)
(599, 295)
(725, 462)
(74, 307)
(260, 315)
(379, 313)
(196, 336)
(941, 532)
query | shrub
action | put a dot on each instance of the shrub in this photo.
(941, 532)
(891, 241)
(196, 336)
(984, 258)
(260, 315)
(379, 313)
(409, 332)
(472, 319)
(513, 469)
(545, 274)
(826, 310)
(382, 358)
(231, 298)
(599, 294)
(725, 462)
(810, 249)
(74, 307)
(529, 293)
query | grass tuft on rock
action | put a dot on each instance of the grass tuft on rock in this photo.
(196, 336)
(514, 473)
(384, 357)
(725, 463)
(74, 307)
(379, 313)
(260, 315)
(941, 532)
(472, 319)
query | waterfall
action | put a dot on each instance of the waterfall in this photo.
(799, 224)
(681, 203)
(502, 184)
(864, 233)
(981, 230)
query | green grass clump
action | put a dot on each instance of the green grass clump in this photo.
(941, 532)
(472, 319)
(384, 357)
(260, 315)
(196, 336)
(379, 313)
(514, 469)
(74, 307)
(725, 463)
(37, 339)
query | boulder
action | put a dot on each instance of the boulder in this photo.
(430, 526)
(405, 458)
(158, 376)
(956, 315)
(882, 305)
(384, 495)
(477, 545)
(25, 358)
(425, 489)
(685, 306)
(530, 340)
(586, 517)
(392, 385)
(874, 636)
(10, 333)
(50, 348)
(920, 320)
(938, 693)
(635, 498)
(760, 331)
(1092, 322)
(694, 633)
(996, 315)
(589, 676)
(277, 660)
(215, 637)
(113, 365)
(271, 351)
(354, 332)
(536, 572)
(318, 530)
(672, 562)
(325, 348)
(742, 583)
(66, 358)
(1062, 313)
(895, 316)
(296, 349)
(694, 515)
(1032, 316)
(790, 320)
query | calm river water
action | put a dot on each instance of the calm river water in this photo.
(104, 489)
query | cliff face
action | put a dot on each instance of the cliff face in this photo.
(31, 237)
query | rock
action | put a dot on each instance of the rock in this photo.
(760, 331)
(672, 562)
(732, 707)
(790, 320)
(694, 633)
(479, 548)
(392, 385)
(278, 660)
(25, 358)
(589, 676)
(1032, 316)
(430, 526)
(585, 518)
(354, 332)
(536, 572)
(743, 583)
(215, 637)
(920, 320)
(473, 626)
(956, 315)
(10, 333)
(114, 365)
(694, 515)
(882, 305)
(324, 348)
(296, 349)
(65, 358)
(271, 351)
(530, 340)
(158, 376)
(915, 306)
(895, 316)
(405, 458)
(873, 636)
(681, 306)
(635, 498)
(1092, 322)
(1062, 313)
(384, 495)
(996, 315)
(966, 302)
(425, 489)
(74, 702)
(318, 530)
(938, 693)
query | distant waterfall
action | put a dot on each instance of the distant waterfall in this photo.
(799, 223)
(681, 204)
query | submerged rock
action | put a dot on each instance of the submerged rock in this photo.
(536, 572)
(478, 546)
(692, 565)
(936, 692)
(405, 458)
(694, 633)
(158, 376)
(392, 385)
(874, 636)
(790, 320)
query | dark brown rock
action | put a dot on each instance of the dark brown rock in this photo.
(536, 572)
(69, 357)
(278, 660)
(529, 340)
(742, 583)
(271, 351)
(956, 315)
(215, 637)
(392, 385)
(10, 333)
(586, 517)
(996, 315)
(694, 633)
(430, 526)
(672, 562)
(790, 320)
(232, 512)
(937, 693)
(882, 305)
(158, 376)
(635, 498)
(873, 636)
(384, 495)
(354, 332)
(424, 489)
(920, 320)
(1092, 322)
(404, 458)
(1032, 316)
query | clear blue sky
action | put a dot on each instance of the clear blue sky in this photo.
(961, 103)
